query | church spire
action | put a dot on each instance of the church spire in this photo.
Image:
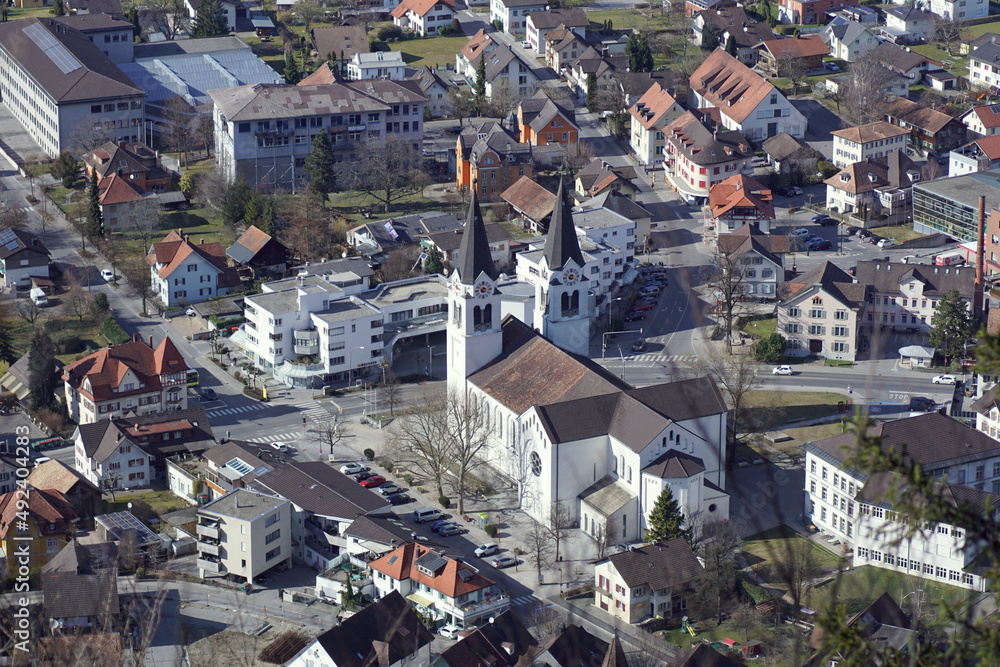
(474, 253)
(561, 243)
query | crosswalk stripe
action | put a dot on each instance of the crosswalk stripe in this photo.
(278, 437)
(523, 600)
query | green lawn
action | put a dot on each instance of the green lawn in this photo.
(772, 544)
(793, 406)
(761, 327)
(959, 64)
(29, 12)
(430, 51)
(712, 632)
(349, 204)
(983, 28)
(272, 53)
(899, 233)
(858, 587)
(625, 19)
(146, 505)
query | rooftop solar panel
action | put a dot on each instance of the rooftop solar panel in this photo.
(52, 48)
(7, 235)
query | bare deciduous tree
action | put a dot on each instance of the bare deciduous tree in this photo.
(29, 310)
(329, 432)
(745, 619)
(142, 218)
(417, 438)
(13, 218)
(135, 271)
(543, 620)
(309, 11)
(949, 32)
(737, 374)
(398, 264)
(390, 392)
(537, 542)
(504, 98)
(458, 102)
(865, 93)
(76, 298)
(167, 16)
(469, 430)
(560, 522)
(729, 285)
(790, 66)
(794, 563)
(179, 126)
(604, 536)
(88, 133)
(577, 156)
(385, 169)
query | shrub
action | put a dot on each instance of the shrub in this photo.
(445, 30)
(388, 32)
(445, 501)
(140, 572)
(826, 169)
(114, 332)
(771, 347)
(498, 25)
(755, 592)
(456, 27)
(100, 306)
(369, 454)
(491, 529)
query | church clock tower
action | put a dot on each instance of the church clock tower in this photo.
(562, 298)
(474, 337)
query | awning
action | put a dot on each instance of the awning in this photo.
(420, 600)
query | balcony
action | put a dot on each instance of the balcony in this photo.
(210, 530)
(210, 564)
(211, 548)
(306, 341)
(472, 610)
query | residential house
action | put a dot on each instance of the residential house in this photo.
(376, 65)
(806, 12)
(599, 176)
(175, 260)
(821, 312)
(492, 158)
(700, 153)
(857, 144)
(265, 132)
(443, 588)
(387, 633)
(715, 27)
(467, 58)
(542, 121)
(513, 14)
(123, 203)
(984, 67)
(502, 642)
(775, 55)
(216, 471)
(131, 378)
(261, 252)
(904, 297)
(339, 43)
(980, 155)
(80, 589)
(970, 45)
(572, 646)
(135, 162)
(449, 242)
(51, 90)
(244, 534)
(532, 202)
(435, 89)
(83, 495)
(982, 121)
(875, 188)
(374, 535)
(506, 69)
(760, 256)
(378, 238)
(605, 69)
(562, 48)
(951, 205)
(849, 40)
(904, 62)
(650, 116)
(34, 527)
(324, 504)
(955, 10)
(131, 452)
(792, 157)
(233, 10)
(908, 24)
(746, 101)
(538, 24)
(703, 655)
(353, 275)
(855, 506)
(17, 380)
(693, 7)
(626, 208)
(931, 131)
(91, 6)
(883, 627)
(647, 580)
(987, 407)
(741, 201)
(424, 17)
(22, 257)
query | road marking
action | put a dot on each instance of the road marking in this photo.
(235, 410)
(278, 437)
(523, 600)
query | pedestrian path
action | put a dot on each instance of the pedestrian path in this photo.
(219, 412)
(292, 436)
(524, 601)
(651, 360)
(313, 410)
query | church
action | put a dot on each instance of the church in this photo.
(567, 431)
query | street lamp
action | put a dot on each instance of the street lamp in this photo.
(622, 355)
(350, 362)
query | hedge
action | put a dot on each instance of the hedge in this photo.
(756, 593)
(114, 332)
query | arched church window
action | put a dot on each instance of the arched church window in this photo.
(563, 303)
(477, 316)
(536, 464)
(488, 316)
(575, 301)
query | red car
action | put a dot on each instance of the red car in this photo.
(644, 305)
(373, 481)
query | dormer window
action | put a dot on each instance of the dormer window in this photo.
(844, 178)
(817, 301)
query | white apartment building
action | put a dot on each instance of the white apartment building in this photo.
(856, 509)
(982, 121)
(820, 313)
(52, 78)
(960, 10)
(700, 154)
(855, 144)
(513, 14)
(377, 65)
(904, 297)
(244, 534)
(264, 132)
(984, 67)
(182, 273)
(424, 17)
(650, 115)
(112, 458)
(760, 257)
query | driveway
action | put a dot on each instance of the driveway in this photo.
(822, 122)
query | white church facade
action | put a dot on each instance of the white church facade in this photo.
(566, 431)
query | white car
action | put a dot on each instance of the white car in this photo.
(944, 379)
(280, 446)
(800, 232)
(448, 631)
(352, 468)
(886, 243)
(108, 275)
(526, 45)
(487, 549)
(782, 370)
(190, 312)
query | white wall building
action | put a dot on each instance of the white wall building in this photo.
(960, 10)
(855, 144)
(377, 65)
(422, 17)
(513, 14)
(244, 534)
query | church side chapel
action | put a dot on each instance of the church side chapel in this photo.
(564, 428)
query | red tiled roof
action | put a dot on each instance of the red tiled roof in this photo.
(730, 85)
(864, 134)
(654, 104)
(118, 190)
(476, 45)
(253, 239)
(107, 367)
(530, 198)
(989, 115)
(740, 191)
(48, 508)
(173, 250)
(322, 76)
(401, 564)
(917, 115)
(420, 7)
(799, 47)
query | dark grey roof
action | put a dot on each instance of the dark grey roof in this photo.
(988, 52)
(100, 439)
(703, 655)
(683, 399)
(14, 241)
(84, 558)
(93, 76)
(987, 401)
(388, 529)
(669, 564)
(502, 641)
(95, 22)
(452, 239)
(910, 13)
(71, 595)
(409, 228)
(331, 269)
(318, 488)
(474, 253)
(94, 6)
(831, 278)
(749, 238)
(617, 203)
(703, 140)
(885, 277)
(561, 243)
(573, 646)
(745, 31)
(885, 488)
(383, 633)
(783, 146)
(897, 58)
(675, 465)
(553, 18)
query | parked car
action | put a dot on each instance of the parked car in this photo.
(875, 239)
(373, 482)
(504, 561)
(783, 370)
(944, 379)
(634, 316)
(455, 129)
(363, 475)
(452, 529)
(108, 275)
(209, 394)
(398, 499)
(526, 45)
(823, 219)
(487, 549)
(864, 233)
(389, 488)
(886, 243)
(639, 345)
(793, 191)
(353, 468)
(922, 404)
(819, 244)
(833, 67)
(801, 232)
(448, 631)
(644, 305)
(852, 230)
(439, 524)
(190, 312)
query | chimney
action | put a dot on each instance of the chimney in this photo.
(977, 295)
(151, 343)
(136, 338)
